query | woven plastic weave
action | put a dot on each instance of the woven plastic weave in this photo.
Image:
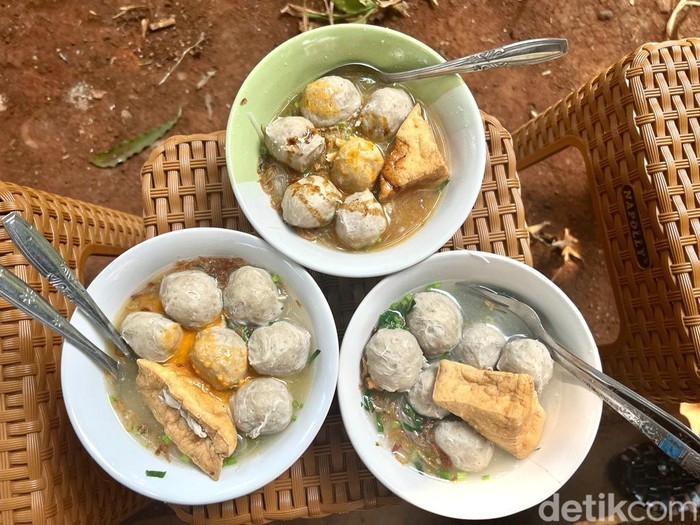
(46, 476)
(185, 185)
(637, 125)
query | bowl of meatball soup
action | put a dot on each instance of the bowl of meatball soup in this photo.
(450, 400)
(234, 366)
(346, 174)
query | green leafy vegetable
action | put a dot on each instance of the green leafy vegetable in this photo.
(231, 460)
(245, 333)
(395, 315)
(380, 423)
(412, 420)
(354, 7)
(122, 151)
(368, 401)
(155, 473)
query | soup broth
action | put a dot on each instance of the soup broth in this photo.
(410, 436)
(127, 400)
(406, 212)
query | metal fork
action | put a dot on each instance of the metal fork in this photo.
(630, 405)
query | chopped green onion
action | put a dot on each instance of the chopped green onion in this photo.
(276, 278)
(185, 458)
(314, 355)
(155, 473)
(296, 104)
(380, 424)
(443, 474)
(432, 286)
(297, 404)
(246, 332)
(395, 315)
(418, 465)
(485, 477)
(231, 460)
(166, 440)
(113, 398)
(395, 424)
(442, 185)
(368, 401)
(294, 417)
(461, 475)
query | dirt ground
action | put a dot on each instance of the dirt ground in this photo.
(75, 78)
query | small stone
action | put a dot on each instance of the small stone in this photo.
(605, 14)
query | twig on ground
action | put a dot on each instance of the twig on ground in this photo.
(182, 56)
(128, 8)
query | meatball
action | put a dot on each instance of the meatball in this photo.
(294, 142)
(357, 165)
(280, 349)
(394, 359)
(467, 449)
(421, 395)
(480, 345)
(219, 356)
(262, 406)
(436, 321)
(360, 220)
(252, 297)
(329, 100)
(384, 112)
(192, 298)
(151, 335)
(310, 202)
(527, 356)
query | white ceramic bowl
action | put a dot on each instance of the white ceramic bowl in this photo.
(97, 424)
(285, 71)
(573, 413)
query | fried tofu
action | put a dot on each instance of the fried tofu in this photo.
(215, 436)
(501, 406)
(414, 157)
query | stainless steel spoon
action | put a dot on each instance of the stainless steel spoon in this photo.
(51, 265)
(521, 53)
(19, 294)
(630, 405)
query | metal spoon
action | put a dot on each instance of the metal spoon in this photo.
(19, 294)
(630, 405)
(51, 265)
(516, 54)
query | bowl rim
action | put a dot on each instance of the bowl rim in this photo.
(348, 388)
(74, 383)
(358, 264)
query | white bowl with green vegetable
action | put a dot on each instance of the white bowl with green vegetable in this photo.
(112, 418)
(411, 429)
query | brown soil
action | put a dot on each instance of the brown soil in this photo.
(75, 79)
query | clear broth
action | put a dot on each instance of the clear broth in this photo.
(127, 401)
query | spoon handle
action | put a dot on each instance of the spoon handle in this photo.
(19, 294)
(634, 408)
(516, 54)
(51, 265)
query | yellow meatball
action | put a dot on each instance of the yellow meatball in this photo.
(357, 165)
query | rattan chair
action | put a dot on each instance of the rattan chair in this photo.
(637, 125)
(46, 476)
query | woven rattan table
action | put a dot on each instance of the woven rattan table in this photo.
(185, 185)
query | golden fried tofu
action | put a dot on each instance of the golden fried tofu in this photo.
(414, 157)
(198, 423)
(501, 406)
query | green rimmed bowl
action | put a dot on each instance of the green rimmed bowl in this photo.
(285, 71)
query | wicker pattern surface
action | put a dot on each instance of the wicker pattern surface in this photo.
(46, 476)
(637, 126)
(185, 185)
